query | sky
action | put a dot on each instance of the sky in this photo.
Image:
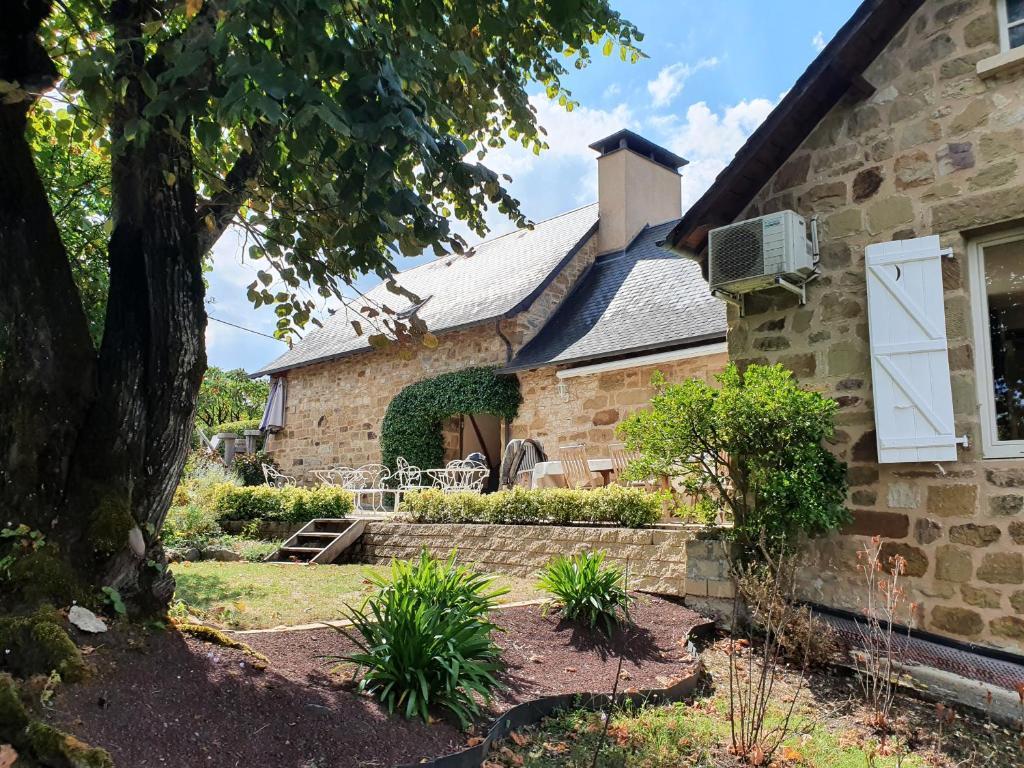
(715, 69)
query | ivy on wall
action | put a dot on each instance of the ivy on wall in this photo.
(412, 423)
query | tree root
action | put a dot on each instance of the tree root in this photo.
(37, 744)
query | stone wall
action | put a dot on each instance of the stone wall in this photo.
(676, 561)
(595, 403)
(934, 150)
(335, 409)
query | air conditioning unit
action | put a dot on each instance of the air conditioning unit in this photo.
(760, 253)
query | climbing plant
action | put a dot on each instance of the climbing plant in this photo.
(412, 424)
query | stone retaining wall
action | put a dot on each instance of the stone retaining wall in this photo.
(677, 561)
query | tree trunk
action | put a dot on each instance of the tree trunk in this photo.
(92, 444)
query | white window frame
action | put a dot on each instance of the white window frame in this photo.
(992, 447)
(1004, 27)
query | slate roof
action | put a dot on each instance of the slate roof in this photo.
(836, 72)
(638, 300)
(499, 277)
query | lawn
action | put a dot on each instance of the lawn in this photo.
(239, 595)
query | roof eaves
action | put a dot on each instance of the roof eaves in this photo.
(819, 89)
(618, 354)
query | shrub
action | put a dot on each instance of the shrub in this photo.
(238, 427)
(424, 638)
(585, 589)
(630, 507)
(290, 505)
(752, 447)
(190, 525)
(249, 467)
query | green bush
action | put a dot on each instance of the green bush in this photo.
(630, 507)
(191, 525)
(238, 427)
(424, 638)
(290, 504)
(752, 448)
(249, 467)
(584, 589)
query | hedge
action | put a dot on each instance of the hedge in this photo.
(289, 505)
(629, 507)
(238, 427)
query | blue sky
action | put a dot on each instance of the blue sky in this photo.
(714, 71)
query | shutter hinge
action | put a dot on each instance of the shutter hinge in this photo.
(948, 253)
(962, 441)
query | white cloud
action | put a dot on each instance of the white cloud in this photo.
(708, 139)
(670, 80)
(613, 90)
(818, 42)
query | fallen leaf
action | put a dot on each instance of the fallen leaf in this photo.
(570, 669)
(791, 755)
(521, 739)
(474, 741)
(8, 756)
(537, 659)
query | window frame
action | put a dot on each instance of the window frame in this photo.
(1004, 27)
(992, 446)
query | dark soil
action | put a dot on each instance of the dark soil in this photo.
(162, 699)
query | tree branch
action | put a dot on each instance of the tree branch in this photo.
(215, 214)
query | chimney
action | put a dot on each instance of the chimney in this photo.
(637, 184)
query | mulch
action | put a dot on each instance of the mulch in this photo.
(160, 698)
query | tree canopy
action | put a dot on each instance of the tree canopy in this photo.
(229, 396)
(337, 134)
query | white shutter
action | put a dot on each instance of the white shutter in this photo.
(909, 354)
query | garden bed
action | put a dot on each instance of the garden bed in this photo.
(164, 699)
(829, 731)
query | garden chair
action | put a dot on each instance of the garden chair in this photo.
(332, 476)
(276, 479)
(409, 477)
(621, 456)
(369, 480)
(576, 466)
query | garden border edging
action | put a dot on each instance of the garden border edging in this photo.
(532, 712)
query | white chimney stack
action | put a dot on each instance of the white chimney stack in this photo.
(637, 184)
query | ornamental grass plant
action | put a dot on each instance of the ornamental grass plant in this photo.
(586, 590)
(424, 639)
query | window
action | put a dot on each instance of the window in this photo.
(1011, 24)
(997, 299)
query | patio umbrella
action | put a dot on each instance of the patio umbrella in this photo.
(273, 414)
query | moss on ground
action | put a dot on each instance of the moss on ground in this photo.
(38, 644)
(216, 637)
(39, 744)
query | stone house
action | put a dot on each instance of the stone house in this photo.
(582, 309)
(905, 138)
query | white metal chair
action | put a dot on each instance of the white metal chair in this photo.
(275, 478)
(369, 480)
(409, 477)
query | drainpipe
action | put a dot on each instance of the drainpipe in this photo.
(508, 359)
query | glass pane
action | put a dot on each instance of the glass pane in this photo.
(1017, 35)
(1015, 10)
(1004, 284)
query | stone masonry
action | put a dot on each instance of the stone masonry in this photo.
(595, 403)
(934, 150)
(676, 561)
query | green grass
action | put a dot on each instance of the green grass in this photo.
(242, 595)
(694, 735)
